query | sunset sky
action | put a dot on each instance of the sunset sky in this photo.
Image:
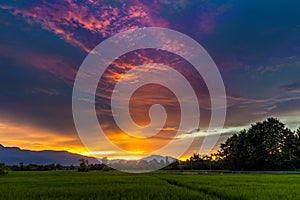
(255, 44)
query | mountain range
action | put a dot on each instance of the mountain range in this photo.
(15, 155)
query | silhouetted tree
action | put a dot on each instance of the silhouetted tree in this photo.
(35, 167)
(96, 166)
(52, 166)
(106, 168)
(58, 167)
(296, 151)
(3, 168)
(83, 165)
(21, 165)
(267, 145)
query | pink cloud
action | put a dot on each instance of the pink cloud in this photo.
(84, 24)
(55, 65)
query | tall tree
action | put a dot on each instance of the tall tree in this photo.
(297, 148)
(267, 145)
(2, 168)
(83, 165)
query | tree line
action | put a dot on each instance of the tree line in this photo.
(35, 167)
(266, 145)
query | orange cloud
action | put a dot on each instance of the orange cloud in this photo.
(168, 129)
(28, 137)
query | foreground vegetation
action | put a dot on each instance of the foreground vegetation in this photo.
(159, 185)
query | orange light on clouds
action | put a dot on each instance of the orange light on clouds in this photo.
(37, 139)
(34, 138)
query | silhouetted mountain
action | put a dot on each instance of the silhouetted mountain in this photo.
(159, 158)
(15, 155)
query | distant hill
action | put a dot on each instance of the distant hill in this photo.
(15, 155)
(159, 158)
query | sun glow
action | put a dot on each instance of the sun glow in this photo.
(34, 138)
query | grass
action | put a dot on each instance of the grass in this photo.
(118, 185)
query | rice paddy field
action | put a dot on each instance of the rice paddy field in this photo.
(159, 185)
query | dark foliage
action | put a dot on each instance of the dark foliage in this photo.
(3, 168)
(83, 165)
(34, 167)
(267, 145)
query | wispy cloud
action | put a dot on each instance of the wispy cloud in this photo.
(277, 64)
(85, 23)
(199, 133)
(292, 87)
